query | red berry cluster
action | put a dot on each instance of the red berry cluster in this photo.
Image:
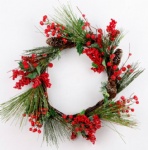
(29, 61)
(96, 57)
(113, 33)
(84, 125)
(124, 104)
(52, 29)
(28, 64)
(118, 72)
(23, 81)
(43, 78)
(99, 39)
(36, 124)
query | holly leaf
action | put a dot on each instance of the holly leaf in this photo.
(79, 47)
(21, 65)
(95, 45)
(94, 65)
(104, 63)
(38, 68)
(82, 112)
(32, 75)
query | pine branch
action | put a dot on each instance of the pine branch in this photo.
(56, 129)
(128, 77)
(15, 107)
(73, 25)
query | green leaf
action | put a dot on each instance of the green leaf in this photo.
(82, 112)
(21, 65)
(95, 45)
(38, 68)
(104, 63)
(80, 22)
(94, 65)
(32, 75)
(79, 47)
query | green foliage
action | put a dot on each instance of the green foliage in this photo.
(94, 65)
(79, 47)
(32, 75)
(56, 129)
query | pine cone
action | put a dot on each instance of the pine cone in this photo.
(117, 58)
(58, 42)
(111, 88)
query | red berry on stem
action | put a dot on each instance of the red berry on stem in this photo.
(24, 115)
(122, 97)
(44, 18)
(137, 102)
(41, 23)
(123, 69)
(83, 15)
(115, 67)
(39, 131)
(113, 77)
(88, 36)
(88, 43)
(128, 66)
(109, 64)
(112, 56)
(70, 116)
(64, 116)
(132, 110)
(135, 97)
(93, 37)
(50, 65)
(30, 129)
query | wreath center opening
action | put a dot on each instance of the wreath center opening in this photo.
(74, 85)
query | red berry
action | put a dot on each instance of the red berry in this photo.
(130, 54)
(135, 97)
(137, 102)
(128, 66)
(41, 23)
(88, 43)
(113, 77)
(112, 56)
(122, 97)
(100, 31)
(24, 115)
(59, 35)
(70, 116)
(131, 70)
(109, 64)
(123, 69)
(50, 65)
(93, 37)
(83, 15)
(44, 18)
(47, 35)
(88, 36)
(30, 129)
(127, 111)
(132, 110)
(33, 123)
(64, 116)
(39, 131)
(115, 67)
(119, 78)
(35, 129)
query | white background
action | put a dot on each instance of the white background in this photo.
(75, 86)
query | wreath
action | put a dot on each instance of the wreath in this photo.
(63, 31)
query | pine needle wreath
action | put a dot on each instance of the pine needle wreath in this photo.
(66, 30)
